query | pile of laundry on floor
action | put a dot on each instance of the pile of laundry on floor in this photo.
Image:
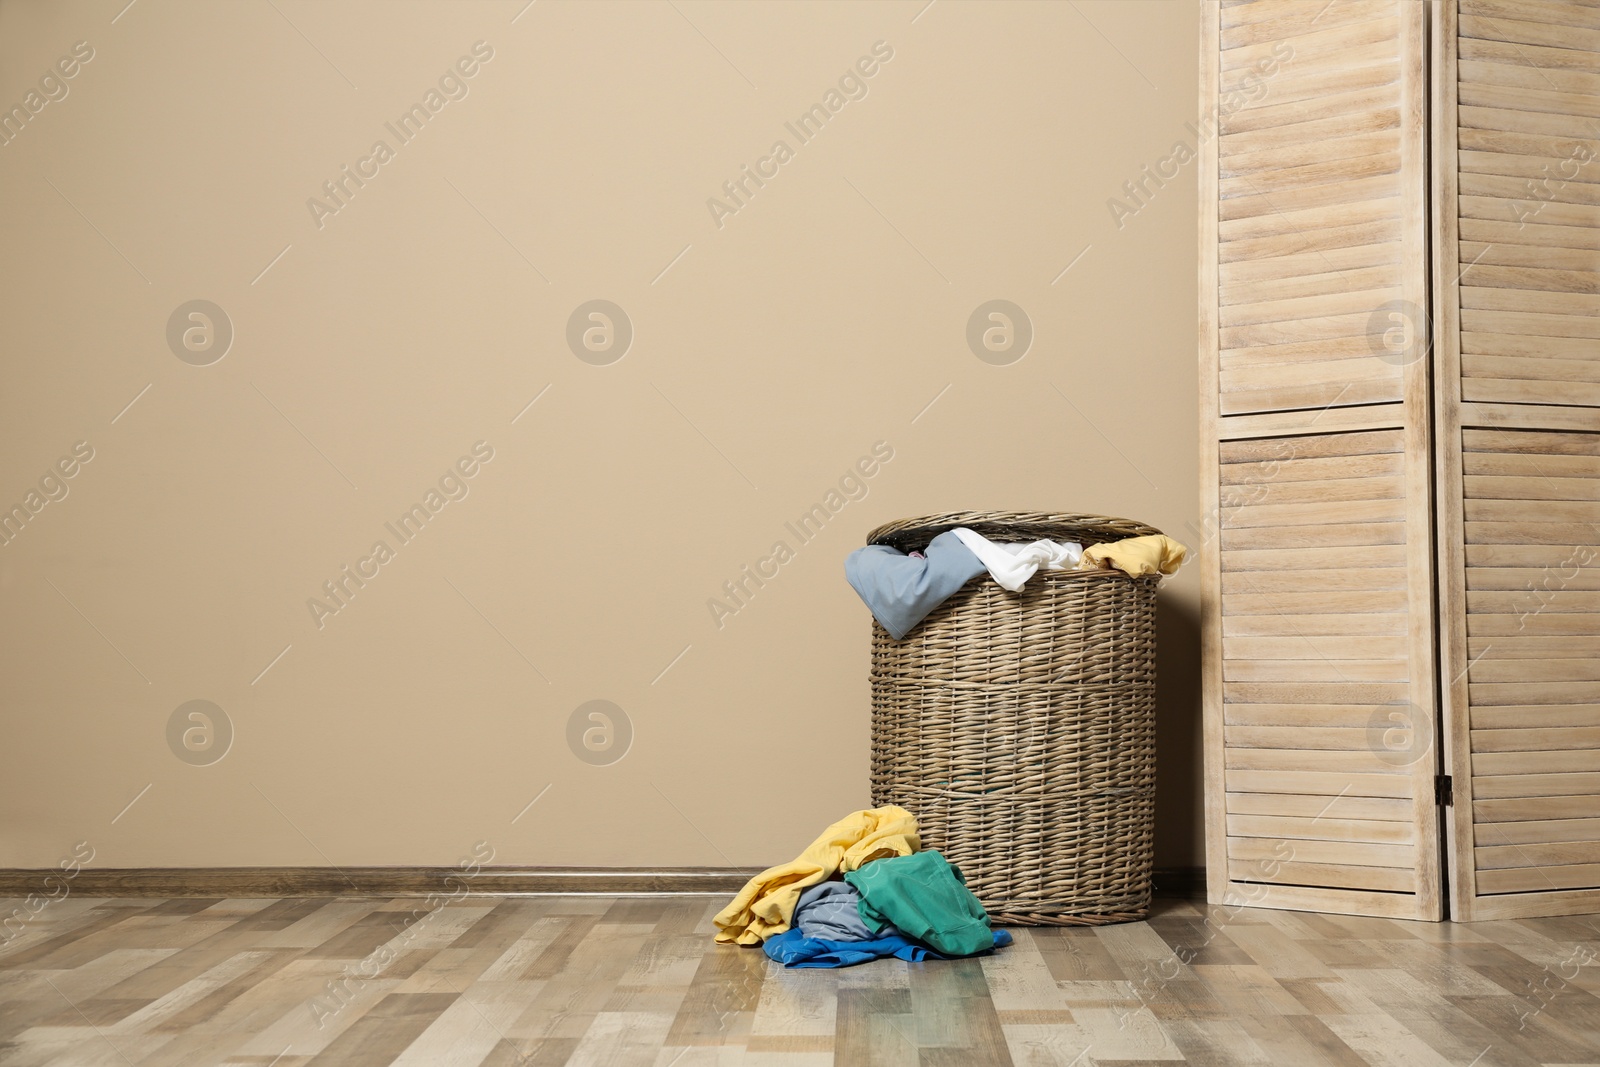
(864, 890)
(902, 589)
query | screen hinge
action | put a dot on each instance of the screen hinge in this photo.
(1443, 793)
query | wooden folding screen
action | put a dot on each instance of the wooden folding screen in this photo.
(1517, 154)
(1400, 347)
(1318, 638)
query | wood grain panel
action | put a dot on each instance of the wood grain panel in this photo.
(1577, 534)
(1332, 420)
(1379, 556)
(1523, 694)
(1311, 469)
(1342, 737)
(1315, 437)
(1545, 389)
(1559, 571)
(1352, 145)
(1315, 716)
(1536, 879)
(1538, 854)
(1295, 647)
(1361, 510)
(1313, 173)
(1335, 828)
(1536, 811)
(1535, 785)
(1314, 491)
(1349, 853)
(1327, 875)
(1288, 269)
(1328, 785)
(1524, 738)
(1496, 669)
(1370, 693)
(1535, 716)
(1517, 147)
(1533, 699)
(1551, 761)
(1293, 805)
(1354, 763)
(1532, 624)
(1315, 670)
(1554, 12)
(1350, 624)
(1510, 24)
(1581, 832)
(1333, 535)
(1524, 208)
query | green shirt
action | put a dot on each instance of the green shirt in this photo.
(927, 899)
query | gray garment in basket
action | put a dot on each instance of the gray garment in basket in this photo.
(901, 590)
(831, 911)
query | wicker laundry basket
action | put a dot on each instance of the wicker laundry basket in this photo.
(1020, 727)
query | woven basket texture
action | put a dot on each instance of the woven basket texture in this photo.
(1020, 727)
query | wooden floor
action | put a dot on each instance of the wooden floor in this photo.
(597, 980)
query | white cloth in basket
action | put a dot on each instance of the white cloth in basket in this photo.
(1013, 565)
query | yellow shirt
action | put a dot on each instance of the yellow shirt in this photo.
(1153, 554)
(765, 906)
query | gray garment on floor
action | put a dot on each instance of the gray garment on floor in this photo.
(901, 590)
(830, 911)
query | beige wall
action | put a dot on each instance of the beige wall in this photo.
(419, 319)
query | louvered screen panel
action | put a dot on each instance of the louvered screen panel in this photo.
(1309, 201)
(1318, 633)
(1528, 171)
(1322, 740)
(1518, 269)
(1533, 641)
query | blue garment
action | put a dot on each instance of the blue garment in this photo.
(831, 911)
(793, 949)
(901, 590)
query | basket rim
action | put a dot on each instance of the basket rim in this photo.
(916, 532)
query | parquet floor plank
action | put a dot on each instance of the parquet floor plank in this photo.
(597, 981)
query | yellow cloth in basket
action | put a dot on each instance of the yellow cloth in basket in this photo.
(1153, 554)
